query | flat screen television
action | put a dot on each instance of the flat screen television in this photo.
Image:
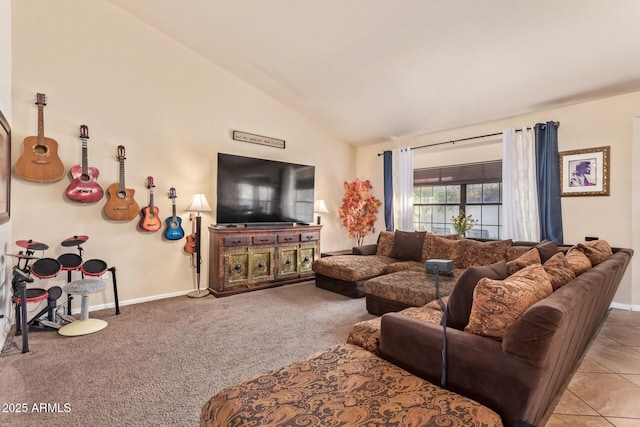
(254, 191)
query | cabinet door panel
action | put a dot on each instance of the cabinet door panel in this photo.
(236, 267)
(288, 261)
(261, 265)
(306, 257)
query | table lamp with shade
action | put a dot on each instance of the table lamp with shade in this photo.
(198, 204)
(320, 207)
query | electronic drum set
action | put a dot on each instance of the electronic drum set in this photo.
(30, 266)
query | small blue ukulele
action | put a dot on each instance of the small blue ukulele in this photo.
(174, 229)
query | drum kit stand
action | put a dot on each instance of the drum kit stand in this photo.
(30, 266)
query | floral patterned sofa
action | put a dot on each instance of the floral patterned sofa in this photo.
(391, 275)
(342, 386)
(394, 252)
(513, 341)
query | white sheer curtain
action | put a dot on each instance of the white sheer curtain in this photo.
(519, 189)
(403, 188)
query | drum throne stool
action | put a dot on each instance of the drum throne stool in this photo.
(85, 325)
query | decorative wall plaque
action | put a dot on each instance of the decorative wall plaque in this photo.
(257, 139)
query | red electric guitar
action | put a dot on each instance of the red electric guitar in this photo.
(39, 160)
(84, 188)
(150, 220)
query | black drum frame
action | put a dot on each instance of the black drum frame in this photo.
(23, 275)
(75, 241)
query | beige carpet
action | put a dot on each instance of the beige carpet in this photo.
(157, 363)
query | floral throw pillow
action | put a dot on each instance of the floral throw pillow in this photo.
(597, 251)
(432, 239)
(443, 248)
(578, 261)
(461, 297)
(385, 243)
(532, 256)
(559, 270)
(485, 253)
(498, 304)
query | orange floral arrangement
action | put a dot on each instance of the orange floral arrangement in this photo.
(359, 209)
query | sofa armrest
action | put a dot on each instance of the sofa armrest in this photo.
(366, 249)
(477, 367)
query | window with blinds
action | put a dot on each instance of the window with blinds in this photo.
(440, 193)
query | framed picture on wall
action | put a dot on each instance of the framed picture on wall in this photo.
(585, 172)
(5, 169)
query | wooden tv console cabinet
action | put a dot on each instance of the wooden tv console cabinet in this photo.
(250, 258)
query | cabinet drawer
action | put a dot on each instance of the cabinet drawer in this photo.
(308, 237)
(288, 238)
(237, 241)
(263, 240)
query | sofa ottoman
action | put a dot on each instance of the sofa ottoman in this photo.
(366, 334)
(343, 385)
(346, 274)
(404, 289)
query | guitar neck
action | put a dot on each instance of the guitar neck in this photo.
(173, 207)
(121, 185)
(40, 124)
(85, 161)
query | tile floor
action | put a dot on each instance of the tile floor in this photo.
(605, 390)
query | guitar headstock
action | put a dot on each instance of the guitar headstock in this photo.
(172, 193)
(121, 152)
(84, 132)
(150, 184)
(41, 99)
(192, 216)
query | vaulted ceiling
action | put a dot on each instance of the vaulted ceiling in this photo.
(374, 70)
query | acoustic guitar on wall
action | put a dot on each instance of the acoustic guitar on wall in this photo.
(190, 246)
(150, 220)
(84, 188)
(121, 205)
(174, 229)
(39, 160)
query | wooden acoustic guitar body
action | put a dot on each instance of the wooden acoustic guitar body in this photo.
(190, 246)
(121, 205)
(39, 161)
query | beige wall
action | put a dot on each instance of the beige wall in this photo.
(5, 107)
(172, 110)
(592, 124)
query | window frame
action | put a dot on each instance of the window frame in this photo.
(446, 227)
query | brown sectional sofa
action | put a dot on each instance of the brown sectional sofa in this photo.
(513, 341)
(391, 276)
(394, 252)
(521, 375)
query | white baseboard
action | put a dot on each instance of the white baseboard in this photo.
(5, 326)
(627, 307)
(132, 301)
